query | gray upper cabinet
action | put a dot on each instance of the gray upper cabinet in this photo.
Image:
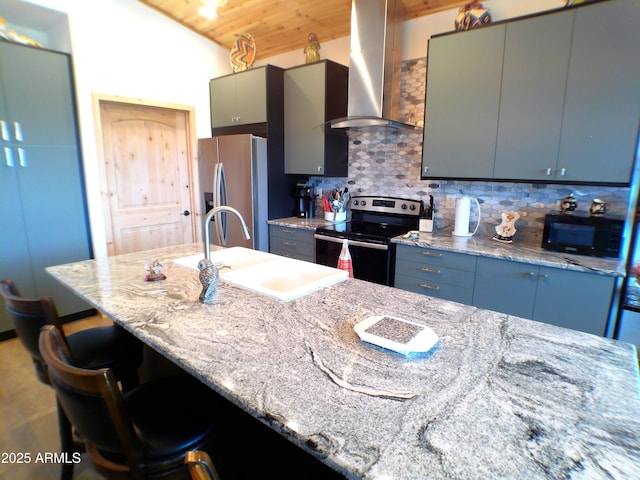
(239, 98)
(601, 111)
(40, 158)
(461, 112)
(314, 94)
(536, 60)
(41, 110)
(560, 102)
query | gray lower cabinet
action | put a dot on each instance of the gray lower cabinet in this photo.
(566, 298)
(43, 214)
(289, 242)
(437, 273)
(461, 111)
(314, 94)
(505, 286)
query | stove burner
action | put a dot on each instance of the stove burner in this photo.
(377, 219)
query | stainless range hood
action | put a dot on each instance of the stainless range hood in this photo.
(374, 68)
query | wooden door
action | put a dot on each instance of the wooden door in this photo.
(146, 160)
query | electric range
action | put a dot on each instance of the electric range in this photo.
(374, 222)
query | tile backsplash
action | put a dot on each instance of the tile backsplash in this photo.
(388, 164)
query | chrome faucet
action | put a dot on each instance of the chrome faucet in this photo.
(207, 221)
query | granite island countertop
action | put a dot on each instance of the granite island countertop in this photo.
(526, 247)
(498, 397)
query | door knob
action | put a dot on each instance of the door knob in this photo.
(186, 213)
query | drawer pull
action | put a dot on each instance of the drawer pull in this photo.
(429, 287)
(289, 244)
(431, 254)
(430, 270)
(285, 230)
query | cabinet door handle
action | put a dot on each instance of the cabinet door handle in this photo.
(531, 274)
(431, 254)
(22, 157)
(543, 275)
(5, 131)
(563, 171)
(430, 270)
(8, 157)
(17, 130)
(429, 287)
(549, 172)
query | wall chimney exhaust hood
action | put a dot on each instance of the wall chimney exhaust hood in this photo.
(374, 68)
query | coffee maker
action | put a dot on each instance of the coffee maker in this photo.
(305, 201)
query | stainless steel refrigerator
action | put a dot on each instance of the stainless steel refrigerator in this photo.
(235, 170)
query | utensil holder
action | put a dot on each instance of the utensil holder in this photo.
(335, 217)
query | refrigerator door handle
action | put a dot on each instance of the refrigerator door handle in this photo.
(220, 198)
(216, 201)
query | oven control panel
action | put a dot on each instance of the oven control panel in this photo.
(390, 205)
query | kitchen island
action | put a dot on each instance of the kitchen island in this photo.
(497, 397)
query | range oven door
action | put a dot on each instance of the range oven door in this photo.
(372, 262)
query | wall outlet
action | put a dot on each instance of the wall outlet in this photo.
(450, 201)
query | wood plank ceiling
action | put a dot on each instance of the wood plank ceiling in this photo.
(280, 26)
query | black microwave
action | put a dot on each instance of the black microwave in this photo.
(581, 234)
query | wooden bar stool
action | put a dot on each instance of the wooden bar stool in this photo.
(92, 348)
(200, 466)
(143, 433)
